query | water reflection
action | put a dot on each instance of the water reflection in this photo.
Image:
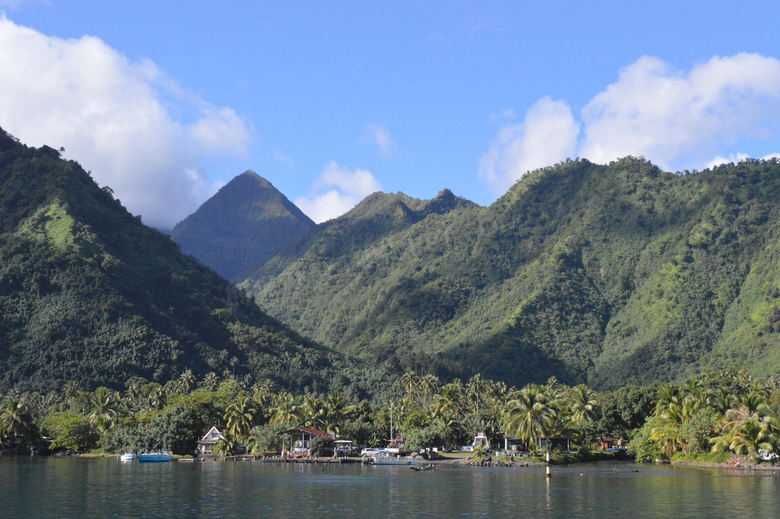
(52, 487)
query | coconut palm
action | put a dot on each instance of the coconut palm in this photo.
(670, 417)
(314, 412)
(104, 405)
(224, 447)
(186, 381)
(746, 436)
(69, 392)
(529, 415)
(335, 412)
(285, 410)
(582, 403)
(240, 416)
(15, 421)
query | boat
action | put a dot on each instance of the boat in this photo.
(430, 466)
(393, 460)
(127, 456)
(148, 457)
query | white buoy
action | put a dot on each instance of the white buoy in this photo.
(548, 474)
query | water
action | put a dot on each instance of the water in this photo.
(70, 487)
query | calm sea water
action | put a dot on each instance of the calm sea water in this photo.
(52, 487)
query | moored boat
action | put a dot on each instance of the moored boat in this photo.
(393, 460)
(155, 457)
(127, 456)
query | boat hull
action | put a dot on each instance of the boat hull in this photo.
(154, 457)
(393, 460)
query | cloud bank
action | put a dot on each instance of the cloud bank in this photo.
(678, 120)
(115, 117)
(337, 191)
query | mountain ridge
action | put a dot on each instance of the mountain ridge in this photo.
(89, 294)
(606, 274)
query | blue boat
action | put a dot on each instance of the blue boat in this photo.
(149, 457)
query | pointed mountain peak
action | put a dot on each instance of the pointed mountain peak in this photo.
(241, 226)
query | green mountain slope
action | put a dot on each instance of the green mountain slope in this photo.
(90, 294)
(603, 274)
(242, 225)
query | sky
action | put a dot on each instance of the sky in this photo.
(167, 101)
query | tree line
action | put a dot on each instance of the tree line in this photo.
(726, 412)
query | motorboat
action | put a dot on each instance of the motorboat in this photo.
(148, 457)
(127, 456)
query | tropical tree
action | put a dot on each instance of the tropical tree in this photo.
(225, 446)
(285, 410)
(748, 427)
(240, 417)
(582, 403)
(69, 392)
(529, 415)
(314, 412)
(186, 381)
(16, 424)
(104, 408)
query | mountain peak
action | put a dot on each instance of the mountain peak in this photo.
(241, 226)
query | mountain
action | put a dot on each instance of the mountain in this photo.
(241, 226)
(90, 294)
(603, 274)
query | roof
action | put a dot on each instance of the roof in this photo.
(207, 437)
(307, 430)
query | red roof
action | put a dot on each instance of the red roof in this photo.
(308, 430)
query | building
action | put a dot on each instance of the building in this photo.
(206, 444)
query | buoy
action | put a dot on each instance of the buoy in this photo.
(548, 475)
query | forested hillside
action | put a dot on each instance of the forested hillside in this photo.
(90, 295)
(605, 274)
(241, 226)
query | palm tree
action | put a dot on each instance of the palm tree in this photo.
(529, 415)
(746, 436)
(69, 392)
(16, 422)
(749, 426)
(240, 417)
(335, 412)
(224, 447)
(186, 381)
(314, 412)
(671, 415)
(104, 405)
(285, 410)
(583, 403)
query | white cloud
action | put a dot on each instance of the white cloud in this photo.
(548, 134)
(677, 120)
(337, 191)
(734, 158)
(380, 136)
(112, 115)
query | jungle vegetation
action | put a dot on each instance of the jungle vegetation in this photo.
(601, 274)
(89, 294)
(726, 412)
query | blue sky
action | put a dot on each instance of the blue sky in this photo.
(167, 101)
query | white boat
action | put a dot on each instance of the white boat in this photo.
(155, 456)
(127, 456)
